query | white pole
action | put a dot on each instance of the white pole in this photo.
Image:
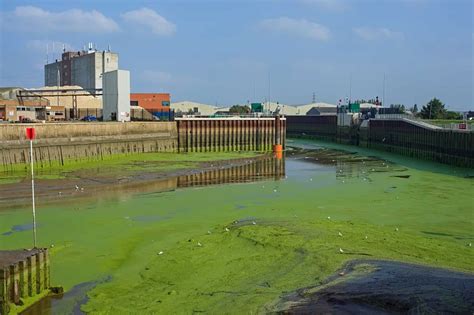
(33, 193)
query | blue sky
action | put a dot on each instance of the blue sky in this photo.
(226, 52)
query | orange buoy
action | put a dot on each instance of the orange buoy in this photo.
(278, 151)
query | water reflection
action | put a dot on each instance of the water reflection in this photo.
(267, 168)
(348, 165)
(125, 187)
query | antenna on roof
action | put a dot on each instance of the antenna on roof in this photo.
(108, 48)
(47, 53)
(64, 47)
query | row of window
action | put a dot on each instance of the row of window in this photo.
(163, 103)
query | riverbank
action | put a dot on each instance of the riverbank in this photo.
(236, 247)
(114, 175)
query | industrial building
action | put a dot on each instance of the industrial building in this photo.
(82, 68)
(14, 109)
(157, 104)
(116, 96)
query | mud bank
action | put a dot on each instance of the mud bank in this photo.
(381, 287)
(140, 174)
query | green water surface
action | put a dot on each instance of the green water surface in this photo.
(235, 248)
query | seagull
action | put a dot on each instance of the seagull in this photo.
(470, 244)
(208, 232)
(274, 190)
(52, 245)
(341, 251)
(227, 230)
(340, 234)
(199, 244)
(366, 237)
(396, 229)
(254, 223)
(329, 218)
(77, 187)
(160, 253)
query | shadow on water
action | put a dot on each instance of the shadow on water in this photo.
(67, 303)
(19, 228)
(381, 287)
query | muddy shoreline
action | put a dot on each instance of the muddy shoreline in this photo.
(84, 185)
(383, 287)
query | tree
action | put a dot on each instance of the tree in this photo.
(433, 110)
(453, 115)
(414, 109)
(239, 109)
(399, 108)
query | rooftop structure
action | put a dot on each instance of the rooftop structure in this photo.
(82, 68)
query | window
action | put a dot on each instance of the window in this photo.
(133, 103)
(165, 103)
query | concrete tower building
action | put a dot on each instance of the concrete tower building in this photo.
(82, 68)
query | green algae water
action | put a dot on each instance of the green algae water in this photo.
(236, 247)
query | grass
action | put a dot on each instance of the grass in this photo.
(156, 162)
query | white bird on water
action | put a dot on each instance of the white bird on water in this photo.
(340, 234)
(160, 253)
(341, 251)
(470, 244)
(396, 229)
(227, 230)
(329, 218)
(254, 223)
(199, 244)
(366, 237)
(208, 232)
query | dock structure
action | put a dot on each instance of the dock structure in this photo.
(399, 135)
(23, 274)
(219, 134)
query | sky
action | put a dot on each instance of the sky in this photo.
(236, 51)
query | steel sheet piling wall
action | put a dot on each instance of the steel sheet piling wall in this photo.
(393, 135)
(230, 134)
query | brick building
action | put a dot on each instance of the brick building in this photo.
(158, 104)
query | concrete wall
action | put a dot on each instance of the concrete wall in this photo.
(321, 127)
(58, 143)
(23, 274)
(230, 134)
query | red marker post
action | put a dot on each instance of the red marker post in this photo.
(30, 134)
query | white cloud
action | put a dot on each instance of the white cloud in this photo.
(151, 19)
(298, 27)
(335, 5)
(368, 33)
(34, 19)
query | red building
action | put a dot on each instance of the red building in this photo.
(151, 101)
